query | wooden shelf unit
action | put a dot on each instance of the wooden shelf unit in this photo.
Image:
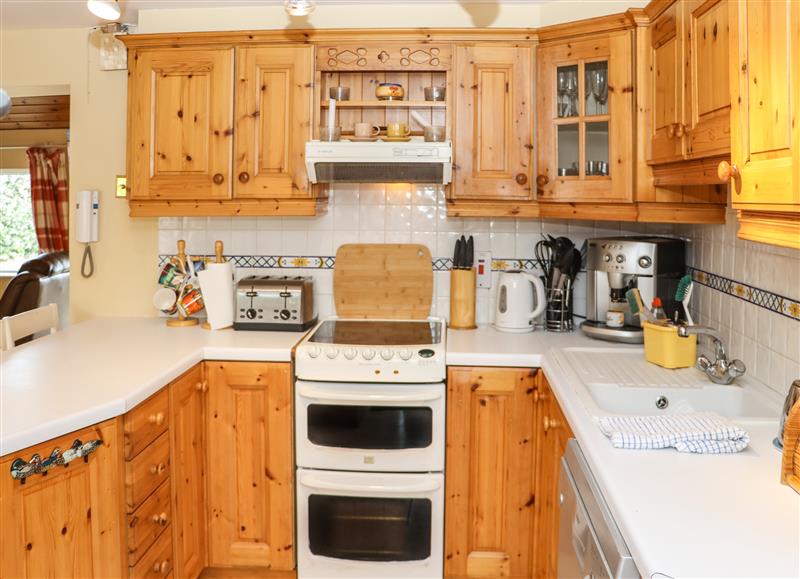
(364, 106)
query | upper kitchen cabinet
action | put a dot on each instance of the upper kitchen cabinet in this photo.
(218, 128)
(273, 120)
(493, 133)
(765, 169)
(180, 124)
(585, 129)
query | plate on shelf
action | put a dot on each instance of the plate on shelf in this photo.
(396, 139)
(362, 139)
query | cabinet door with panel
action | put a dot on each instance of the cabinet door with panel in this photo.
(489, 505)
(493, 132)
(180, 123)
(667, 93)
(707, 114)
(251, 463)
(585, 127)
(69, 523)
(551, 433)
(273, 120)
(765, 76)
(188, 423)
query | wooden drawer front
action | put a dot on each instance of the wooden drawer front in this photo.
(146, 422)
(157, 561)
(144, 473)
(384, 56)
(148, 522)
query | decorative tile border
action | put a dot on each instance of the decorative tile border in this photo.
(773, 302)
(327, 262)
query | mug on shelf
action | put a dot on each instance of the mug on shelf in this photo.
(398, 130)
(366, 130)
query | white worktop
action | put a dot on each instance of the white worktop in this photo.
(681, 515)
(102, 368)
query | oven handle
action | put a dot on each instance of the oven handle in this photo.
(400, 489)
(310, 392)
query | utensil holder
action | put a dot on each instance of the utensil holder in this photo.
(558, 314)
(462, 299)
(664, 347)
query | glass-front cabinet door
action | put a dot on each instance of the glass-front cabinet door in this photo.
(585, 126)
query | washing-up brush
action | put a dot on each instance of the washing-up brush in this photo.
(636, 306)
(683, 294)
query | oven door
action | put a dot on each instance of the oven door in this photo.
(370, 427)
(360, 524)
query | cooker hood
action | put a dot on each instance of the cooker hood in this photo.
(415, 161)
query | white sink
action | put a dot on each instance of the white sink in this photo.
(621, 381)
(730, 401)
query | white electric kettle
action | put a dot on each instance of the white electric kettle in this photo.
(516, 307)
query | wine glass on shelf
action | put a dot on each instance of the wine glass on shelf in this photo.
(600, 85)
(572, 94)
(562, 92)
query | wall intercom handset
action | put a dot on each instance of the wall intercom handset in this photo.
(86, 226)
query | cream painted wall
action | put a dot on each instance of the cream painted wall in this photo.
(127, 250)
(365, 15)
(126, 255)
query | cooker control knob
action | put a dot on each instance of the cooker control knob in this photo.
(350, 353)
(406, 354)
(645, 262)
(313, 352)
(387, 354)
(332, 353)
(368, 353)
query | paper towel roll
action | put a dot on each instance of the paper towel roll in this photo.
(216, 283)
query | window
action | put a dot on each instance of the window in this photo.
(17, 234)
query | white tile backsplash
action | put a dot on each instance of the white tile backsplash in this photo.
(768, 343)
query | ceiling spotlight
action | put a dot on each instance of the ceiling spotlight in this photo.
(299, 7)
(105, 9)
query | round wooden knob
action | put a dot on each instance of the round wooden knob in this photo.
(550, 423)
(521, 178)
(160, 520)
(219, 178)
(158, 468)
(157, 419)
(201, 386)
(680, 130)
(671, 130)
(542, 180)
(162, 567)
(726, 172)
(244, 177)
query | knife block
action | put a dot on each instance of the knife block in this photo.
(462, 299)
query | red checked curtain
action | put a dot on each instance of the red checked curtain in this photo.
(50, 198)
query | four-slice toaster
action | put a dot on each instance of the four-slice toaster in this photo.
(275, 303)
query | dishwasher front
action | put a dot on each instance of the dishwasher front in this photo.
(590, 545)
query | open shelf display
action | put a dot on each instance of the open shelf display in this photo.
(364, 107)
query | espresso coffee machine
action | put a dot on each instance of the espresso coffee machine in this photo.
(616, 264)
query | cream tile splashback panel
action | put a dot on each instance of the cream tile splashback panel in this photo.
(383, 214)
(768, 342)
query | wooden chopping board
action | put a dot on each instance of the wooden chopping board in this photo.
(383, 280)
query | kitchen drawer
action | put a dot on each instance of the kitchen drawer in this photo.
(148, 522)
(146, 472)
(146, 422)
(157, 561)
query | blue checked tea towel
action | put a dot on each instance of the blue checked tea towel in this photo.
(698, 432)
